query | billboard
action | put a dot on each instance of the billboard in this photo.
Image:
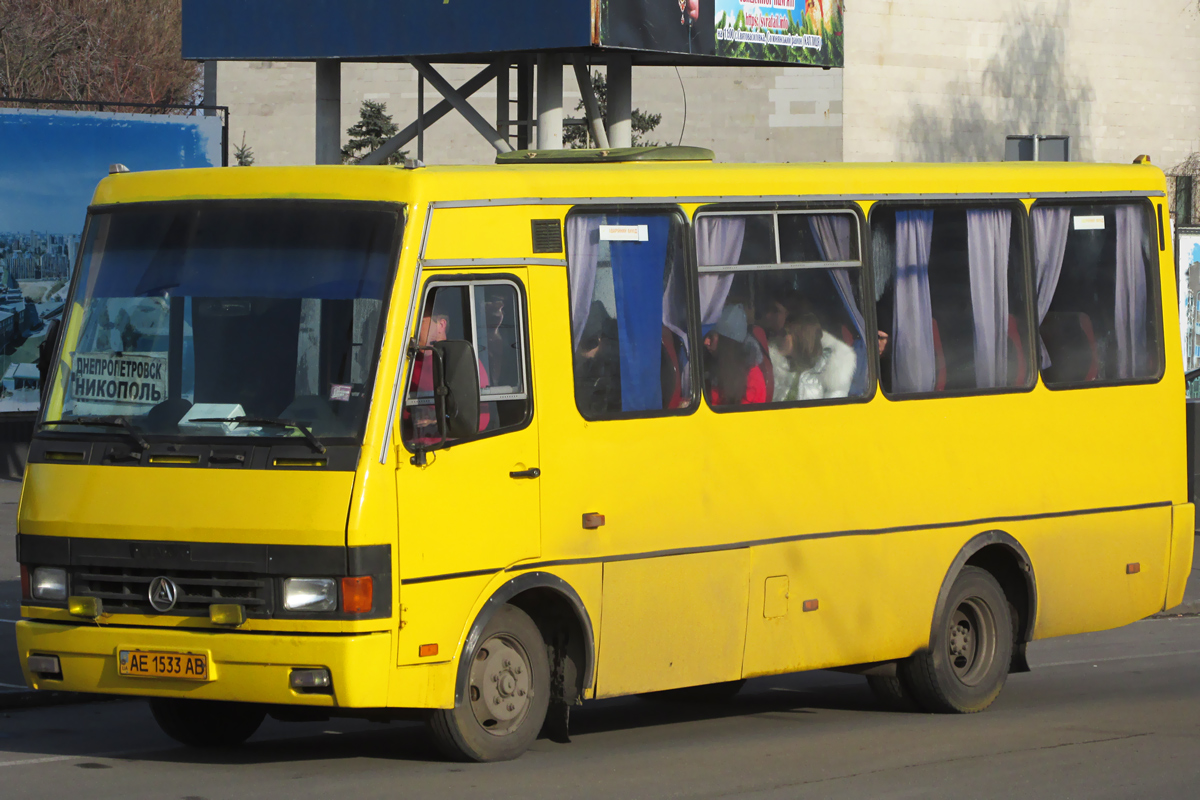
(782, 31)
(50, 164)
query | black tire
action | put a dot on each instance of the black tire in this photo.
(507, 695)
(707, 693)
(889, 690)
(967, 662)
(206, 723)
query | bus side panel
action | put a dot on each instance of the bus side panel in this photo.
(673, 621)
(437, 612)
(1082, 565)
(874, 598)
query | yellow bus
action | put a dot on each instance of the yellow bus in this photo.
(479, 444)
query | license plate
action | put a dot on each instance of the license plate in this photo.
(156, 664)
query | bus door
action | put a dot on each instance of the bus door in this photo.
(473, 507)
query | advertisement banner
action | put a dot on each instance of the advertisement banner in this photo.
(50, 164)
(1187, 254)
(782, 31)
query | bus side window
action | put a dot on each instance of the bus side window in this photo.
(489, 315)
(629, 313)
(779, 325)
(950, 298)
(1095, 268)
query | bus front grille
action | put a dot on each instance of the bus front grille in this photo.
(127, 591)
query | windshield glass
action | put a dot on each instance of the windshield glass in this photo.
(185, 313)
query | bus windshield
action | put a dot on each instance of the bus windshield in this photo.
(193, 319)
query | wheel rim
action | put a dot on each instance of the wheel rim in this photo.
(971, 640)
(501, 688)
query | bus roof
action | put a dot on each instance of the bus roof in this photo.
(688, 181)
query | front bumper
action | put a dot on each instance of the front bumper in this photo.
(247, 667)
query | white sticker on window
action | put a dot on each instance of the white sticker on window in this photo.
(339, 391)
(1089, 223)
(624, 233)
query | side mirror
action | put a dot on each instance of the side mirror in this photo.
(456, 388)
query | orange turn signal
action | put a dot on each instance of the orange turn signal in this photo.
(427, 650)
(811, 605)
(357, 595)
(1134, 568)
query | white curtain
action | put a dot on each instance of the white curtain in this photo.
(1130, 317)
(914, 361)
(1051, 224)
(988, 234)
(718, 244)
(832, 232)
(583, 255)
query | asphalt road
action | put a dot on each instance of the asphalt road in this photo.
(1113, 714)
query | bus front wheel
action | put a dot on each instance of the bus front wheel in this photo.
(508, 691)
(206, 723)
(966, 664)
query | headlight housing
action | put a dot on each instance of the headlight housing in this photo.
(49, 583)
(310, 594)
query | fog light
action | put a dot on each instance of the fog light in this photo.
(310, 594)
(310, 679)
(232, 614)
(50, 583)
(86, 607)
(44, 665)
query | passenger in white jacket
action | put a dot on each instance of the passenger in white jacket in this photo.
(810, 363)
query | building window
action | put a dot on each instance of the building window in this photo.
(780, 305)
(1097, 297)
(950, 298)
(629, 312)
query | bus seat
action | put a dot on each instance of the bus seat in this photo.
(768, 371)
(847, 335)
(940, 359)
(1071, 343)
(672, 383)
(1017, 348)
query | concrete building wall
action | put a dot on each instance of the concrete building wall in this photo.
(755, 114)
(928, 80)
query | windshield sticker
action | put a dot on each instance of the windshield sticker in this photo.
(340, 391)
(108, 378)
(1089, 223)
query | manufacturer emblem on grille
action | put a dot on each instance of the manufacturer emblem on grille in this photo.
(163, 594)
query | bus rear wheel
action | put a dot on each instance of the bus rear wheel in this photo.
(966, 664)
(508, 693)
(206, 723)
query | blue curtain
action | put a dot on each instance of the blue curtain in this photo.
(638, 284)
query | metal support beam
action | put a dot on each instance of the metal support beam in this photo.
(524, 102)
(461, 105)
(503, 112)
(619, 114)
(392, 145)
(591, 105)
(329, 112)
(209, 98)
(549, 101)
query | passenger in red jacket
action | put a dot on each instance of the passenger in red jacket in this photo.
(731, 375)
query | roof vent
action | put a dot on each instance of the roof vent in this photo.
(117, 169)
(609, 156)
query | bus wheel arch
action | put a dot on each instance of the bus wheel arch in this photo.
(563, 620)
(1000, 554)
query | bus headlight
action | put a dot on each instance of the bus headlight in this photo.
(49, 583)
(310, 594)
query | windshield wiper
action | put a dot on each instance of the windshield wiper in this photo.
(280, 423)
(107, 422)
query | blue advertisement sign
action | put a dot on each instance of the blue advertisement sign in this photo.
(50, 163)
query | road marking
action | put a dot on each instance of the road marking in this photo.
(1114, 658)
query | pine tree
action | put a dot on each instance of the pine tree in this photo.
(374, 127)
(243, 154)
(577, 136)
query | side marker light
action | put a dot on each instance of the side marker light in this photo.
(1134, 568)
(811, 605)
(427, 650)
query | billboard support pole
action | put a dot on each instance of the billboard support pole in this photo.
(524, 102)
(461, 105)
(329, 111)
(549, 101)
(503, 101)
(583, 77)
(620, 100)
